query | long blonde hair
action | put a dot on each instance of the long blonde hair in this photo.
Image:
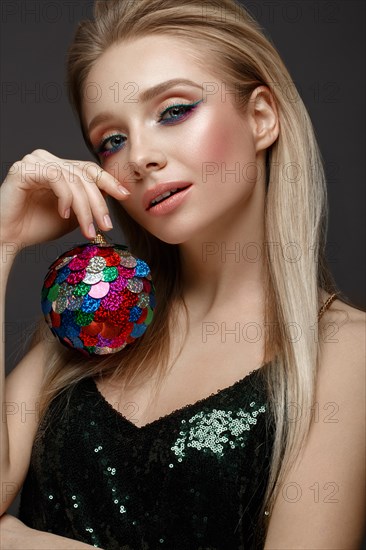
(295, 215)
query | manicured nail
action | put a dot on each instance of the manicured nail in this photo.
(92, 232)
(67, 213)
(108, 221)
(123, 190)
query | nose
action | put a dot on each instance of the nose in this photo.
(144, 157)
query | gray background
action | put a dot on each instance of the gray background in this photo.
(321, 42)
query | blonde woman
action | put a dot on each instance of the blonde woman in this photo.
(237, 420)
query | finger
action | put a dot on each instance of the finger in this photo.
(98, 204)
(106, 181)
(77, 199)
(69, 185)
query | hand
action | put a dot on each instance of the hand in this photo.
(15, 535)
(44, 197)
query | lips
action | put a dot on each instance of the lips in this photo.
(160, 189)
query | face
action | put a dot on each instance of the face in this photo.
(187, 134)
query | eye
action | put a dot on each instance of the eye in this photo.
(110, 144)
(178, 112)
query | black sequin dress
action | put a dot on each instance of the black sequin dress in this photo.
(191, 480)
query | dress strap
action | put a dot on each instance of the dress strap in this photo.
(326, 304)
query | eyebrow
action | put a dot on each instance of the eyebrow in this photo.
(148, 95)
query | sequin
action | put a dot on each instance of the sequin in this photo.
(96, 264)
(128, 261)
(103, 280)
(44, 292)
(74, 302)
(135, 313)
(99, 290)
(89, 251)
(46, 307)
(210, 498)
(125, 272)
(138, 330)
(142, 269)
(143, 300)
(143, 315)
(55, 319)
(63, 262)
(83, 318)
(119, 284)
(112, 301)
(135, 285)
(105, 251)
(60, 305)
(89, 304)
(66, 290)
(92, 278)
(110, 274)
(149, 316)
(87, 339)
(63, 275)
(211, 431)
(93, 329)
(53, 292)
(76, 277)
(79, 263)
(81, 289)
(113, 259)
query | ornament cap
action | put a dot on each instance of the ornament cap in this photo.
(99, 238)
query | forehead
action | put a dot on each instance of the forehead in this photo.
(148, 60)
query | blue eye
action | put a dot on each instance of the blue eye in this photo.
(115, 141)
(179, 110)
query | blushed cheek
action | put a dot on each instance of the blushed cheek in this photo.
(221, 152)
(218, 142)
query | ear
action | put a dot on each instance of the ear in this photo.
(263, 117)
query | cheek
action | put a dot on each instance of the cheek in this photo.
(221, 139)
(223, 150)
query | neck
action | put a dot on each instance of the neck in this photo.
(224, 265)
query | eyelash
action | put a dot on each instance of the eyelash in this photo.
(187, 108)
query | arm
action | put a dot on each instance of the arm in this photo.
(15, 535)
(35, 210)
(19, 392)
(322, 502)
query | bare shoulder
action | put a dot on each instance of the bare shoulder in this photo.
(327, 488)
(342, 342)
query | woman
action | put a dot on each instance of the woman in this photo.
(240, 409)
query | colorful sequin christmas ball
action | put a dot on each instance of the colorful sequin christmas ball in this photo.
(98, 298)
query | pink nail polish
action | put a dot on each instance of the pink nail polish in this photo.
(92, 232)
(108, 222)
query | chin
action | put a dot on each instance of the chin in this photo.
(177, 238)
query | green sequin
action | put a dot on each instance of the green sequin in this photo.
(81, 289)
(53, 292)
(149, 316)
(110, 274)
(83, 319)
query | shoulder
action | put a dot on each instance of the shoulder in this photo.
(326, 489)
(342, 346)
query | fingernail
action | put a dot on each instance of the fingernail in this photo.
(67, 213)
(123, 190)
(108, 221)
(92, 232)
